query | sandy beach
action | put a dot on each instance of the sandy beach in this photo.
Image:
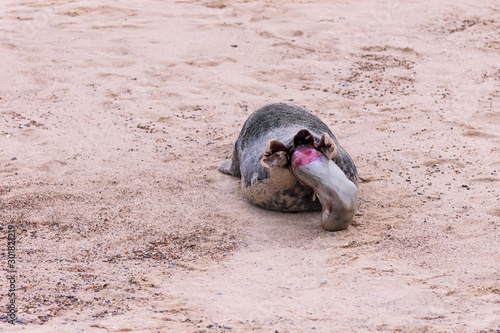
(115, 115)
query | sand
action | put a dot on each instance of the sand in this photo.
(115, 115)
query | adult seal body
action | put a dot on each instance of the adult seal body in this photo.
(286, 157)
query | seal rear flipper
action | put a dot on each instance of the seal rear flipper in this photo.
(276, 154)
(327, 146)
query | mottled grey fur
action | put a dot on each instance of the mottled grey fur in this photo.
(281, 122)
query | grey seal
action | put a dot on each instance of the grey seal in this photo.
(286, 157)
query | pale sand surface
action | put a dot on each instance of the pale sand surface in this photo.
(115, 115)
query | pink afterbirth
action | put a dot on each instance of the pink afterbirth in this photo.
(305, 155)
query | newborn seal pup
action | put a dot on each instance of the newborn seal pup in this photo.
(286, 157)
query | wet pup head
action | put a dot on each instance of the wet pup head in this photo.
(312, 165)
